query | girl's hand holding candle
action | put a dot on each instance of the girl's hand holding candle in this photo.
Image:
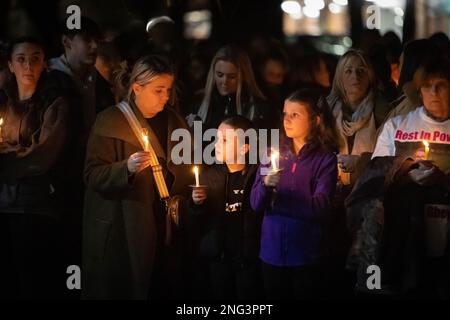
(274, 160)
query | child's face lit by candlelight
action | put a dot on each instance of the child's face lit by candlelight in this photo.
(229, 149)
(296, 120)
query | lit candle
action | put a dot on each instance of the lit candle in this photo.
(427, 148)
(146, 140)
(273, 160)
(197, 179)
(1, 123)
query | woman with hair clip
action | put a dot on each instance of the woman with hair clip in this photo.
(231, 89)
(124, 228)
(296, 201)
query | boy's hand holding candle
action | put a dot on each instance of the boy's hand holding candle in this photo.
(198, 191)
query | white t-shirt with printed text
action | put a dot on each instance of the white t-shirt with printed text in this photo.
(404, 135)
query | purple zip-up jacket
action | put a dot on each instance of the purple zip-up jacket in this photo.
(295, 213)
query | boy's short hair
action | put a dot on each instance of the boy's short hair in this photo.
(238, 122)
(88, 27)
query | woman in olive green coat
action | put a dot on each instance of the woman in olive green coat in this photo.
(123, 227)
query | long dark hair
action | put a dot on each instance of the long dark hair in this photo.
(323, 133)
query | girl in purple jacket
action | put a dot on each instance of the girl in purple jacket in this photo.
(297, 200)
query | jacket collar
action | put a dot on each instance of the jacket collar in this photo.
(152, 136)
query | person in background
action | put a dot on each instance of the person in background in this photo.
(293, 234)
(358, 110)
(33, 140)
(272, 78)
(393, 46)
(311, 69)
(93, 94)
(231, 89)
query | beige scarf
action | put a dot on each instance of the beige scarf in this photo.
(362, 124)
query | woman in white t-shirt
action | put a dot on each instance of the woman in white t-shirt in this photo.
(408, 135)
(424, 136)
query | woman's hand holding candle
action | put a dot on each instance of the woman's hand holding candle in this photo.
(272, 179)
(138, 161)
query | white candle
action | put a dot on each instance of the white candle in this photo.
(146, 140)
(273, 160)
(427, 148)
(1, 123)
(197, 179)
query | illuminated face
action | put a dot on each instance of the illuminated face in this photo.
(435, 95)
(152, 97)
(82, 47)
(296, 119)
(356, 80)
(27, 63)
(226, 77)
(229, 148)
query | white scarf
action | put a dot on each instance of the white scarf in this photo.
(362, 124)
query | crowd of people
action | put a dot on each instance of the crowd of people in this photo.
(363, 178)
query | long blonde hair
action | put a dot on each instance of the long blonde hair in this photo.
(144, 71)
(245, 77)
(338, 85)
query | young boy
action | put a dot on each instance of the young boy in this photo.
(231, 230)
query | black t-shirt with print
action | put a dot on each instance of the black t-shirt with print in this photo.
(233, 215)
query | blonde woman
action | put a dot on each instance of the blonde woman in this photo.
(230, 90)
(124, 219)
(358, 109)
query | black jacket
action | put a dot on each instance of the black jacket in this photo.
(34, 133)
(210, 216)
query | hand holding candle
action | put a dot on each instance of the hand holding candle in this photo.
(274, 159)
(273, 177)
(198, 190)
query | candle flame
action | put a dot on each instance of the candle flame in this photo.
(195, 169)
(1, 121)
(273, 158)
(146, 139)
(425, 143)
